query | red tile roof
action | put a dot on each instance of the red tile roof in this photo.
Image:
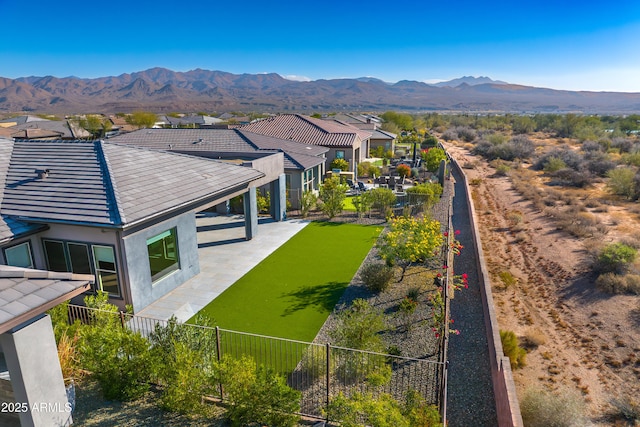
(308, 130)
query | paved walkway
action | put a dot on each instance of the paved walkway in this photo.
(225, 256)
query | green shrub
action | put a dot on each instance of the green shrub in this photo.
(502, 169)
(314, 362)
(507, 278)
(187, 383)
(381, 198)
(368, 169)
(615, 258)
(263, 202)
(187, 352)
(363, 202)
(376, 277)
(363, 409)
(383, 411)
(512, 350)
(554, 164)
(332, 195)
(432, 158)
(307, 202)
(341, 164)
(541, 408)
(622, 182)
(359, 327)
(612, 283)
(426, 194)
(256, 394)
(120, 359)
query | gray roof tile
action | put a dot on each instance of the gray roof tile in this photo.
(10, 227)
(28, 293)
(105, 183)
(308, 130)
(193, 141)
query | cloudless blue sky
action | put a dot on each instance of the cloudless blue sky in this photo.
(560, 44)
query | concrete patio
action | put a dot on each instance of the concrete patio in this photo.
(225, 256)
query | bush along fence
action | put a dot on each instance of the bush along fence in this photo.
(316, 374)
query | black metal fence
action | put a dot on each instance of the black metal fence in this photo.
(318, 371)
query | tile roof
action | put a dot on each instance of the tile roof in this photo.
(43, 126)
(297, 155)
(308, 130)
(24, 119)
(103, 183)
(383, 134)
(25, 293)
(9, 227)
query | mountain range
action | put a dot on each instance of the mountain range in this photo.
(162, 90)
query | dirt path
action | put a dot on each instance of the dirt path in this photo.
(577, 337)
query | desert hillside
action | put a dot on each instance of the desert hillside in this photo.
(540, 237)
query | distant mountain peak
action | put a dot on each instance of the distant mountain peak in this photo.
(469, 80)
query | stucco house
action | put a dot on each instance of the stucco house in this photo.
(304, 164)
(126, 215)
(343, 140)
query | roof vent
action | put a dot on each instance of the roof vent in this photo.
(42, 173)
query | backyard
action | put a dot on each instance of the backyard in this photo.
(291, 293)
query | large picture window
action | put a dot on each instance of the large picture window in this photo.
(19, 255)
(163, 254)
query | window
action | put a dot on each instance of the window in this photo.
(307, 185)
(106, 273)
(76, 257)
(19, 255)
(163, 254)
(56, 257)
(79, 258)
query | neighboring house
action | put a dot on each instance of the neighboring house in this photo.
(343, 141)
(30, 373)
(356, 120)
(42, 129)
(20, 120)
(126, 215)
(191, 121)
(382, 138)
(120, 125)
(232, 118)
(304, 164)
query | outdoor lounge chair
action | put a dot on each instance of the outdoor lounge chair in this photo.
(361, 186)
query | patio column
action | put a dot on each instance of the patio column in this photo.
(36, 378)
(250, 213)
(278, 198)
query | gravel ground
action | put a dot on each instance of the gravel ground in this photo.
(470, 400)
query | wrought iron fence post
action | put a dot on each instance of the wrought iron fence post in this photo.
(328, 347)
(219, 357)
(443, 399)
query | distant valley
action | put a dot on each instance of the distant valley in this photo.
(162, 90)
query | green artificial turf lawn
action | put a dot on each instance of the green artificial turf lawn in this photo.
(291, 293)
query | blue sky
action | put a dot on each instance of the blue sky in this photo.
(573, 45)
